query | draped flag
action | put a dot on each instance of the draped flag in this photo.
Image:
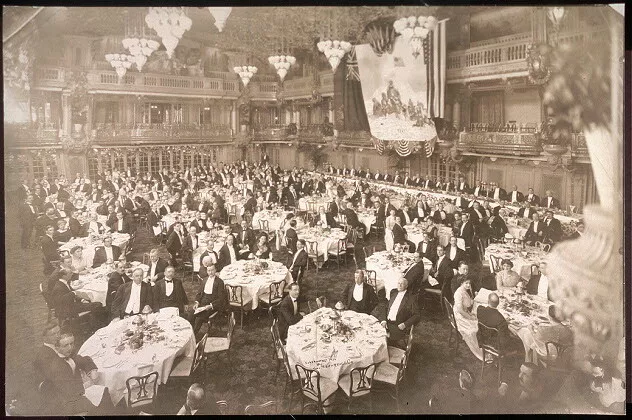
(402, 93)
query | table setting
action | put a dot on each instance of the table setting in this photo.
(255, 277)
(522, 256)
(136, 346)
(275, 218)
(90, 243)
(335, 341)
(326, 238)
(389, 266)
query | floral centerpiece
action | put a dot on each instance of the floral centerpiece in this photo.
(141, 332)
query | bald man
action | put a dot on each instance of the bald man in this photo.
(196, 403)
(491, 317)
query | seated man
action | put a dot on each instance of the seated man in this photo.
(491, 317)
(443, 273)
(536, 231)
(65, 392)
(402, 312)
(133, 297)
(207, 258)
(157, 266)
(68, 306)
(358, 296)
(415, 274)
(196, 403)
(210, 298)
(169, 292)
(115, 280)
(299, 261)
(288, 311)
(106, 253)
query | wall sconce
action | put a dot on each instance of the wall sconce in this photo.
(360, 149)
(493, 159)
(320, 146)
(289, 144)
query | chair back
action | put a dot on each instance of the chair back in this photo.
(545, 247)
(309, 381)
(368, 251)
(342, 219)
(311, 206)
(406, 248)
(496, 263)
(402, 369)
(264, 225)
(141, 389)
(342, 246)
(198, 355)
(535, 270)
(231, 328)
(222, 406)
(450, 311)
(361, 379)
(557, 352)
(312, 249)
(273, 312)
(170, 311)
(269, 407)
(235, 295)
(370, 278)
(489, 339)
(276, 291)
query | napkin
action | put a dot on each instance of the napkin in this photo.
(432, 281)
(482, 296)
(95, 393)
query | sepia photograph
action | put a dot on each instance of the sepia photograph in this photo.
(284, 210)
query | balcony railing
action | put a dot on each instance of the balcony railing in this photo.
(509, 143)
(578, 145)
(30, 134)
(144, 133)
(271, 132)
(508, 127)
(303, 86)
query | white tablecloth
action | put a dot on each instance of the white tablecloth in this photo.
(367, 218)
(94, 285)
(89, 246)
(522, 259)
(253, 285)
(304, 203)
(274, 217)
(114, 369)
(308, 345)
(388, 271)
(327, 242)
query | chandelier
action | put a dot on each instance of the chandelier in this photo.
(245, 73)
(282, 64)
(170, 23)
(221, 16)
(139, 45)
(415, 30)
(120, 62)
(334, 51)
(555, 15)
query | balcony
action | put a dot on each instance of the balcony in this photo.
(578, 145)
(31, 135)
(276, 132)
(138, 134)
(302, 87)
(517, 143)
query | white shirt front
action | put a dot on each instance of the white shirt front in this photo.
(358, 289)
(119, 225)
(514, 196)
(133, 305)
(323, 219)
(296, 256)
(549, 201)
(392, 313)
(208, 287)
(463, 227)
(439, 261)
(543, 286)
(152, 269)
(424, 246)
(295, 306)
(109, 253)
(530, 197)
(497, 194)
(421, 212)
(453, 252)
(535, 227)
(231, 251)
(168, 287)
(194, 242)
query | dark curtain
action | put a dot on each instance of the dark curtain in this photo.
(348, 100)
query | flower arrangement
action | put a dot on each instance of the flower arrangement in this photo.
(141, 333)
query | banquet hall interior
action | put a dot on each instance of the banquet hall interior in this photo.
(323, 210)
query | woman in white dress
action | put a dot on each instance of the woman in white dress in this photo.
(79, 263)
(466, 320)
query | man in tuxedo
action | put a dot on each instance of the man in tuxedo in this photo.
(197, 403)
(299, 261)
(491, 317)
(526, 211)
(439, 216)
(466, 231)
(156, 267)
(480, 190)
(462, 186)
(190, 244)
(228, 253)
(288, 311)
(68, 306)
(272, 197)
(426, 248)
(65, 393)
(515, 196)
(169, 292)
(49, 249)
(461, 202)
(324, 219)
(120, 224)
(402, 313)
(553, 230)
(477, 214)
(105, 253)
(211, 296)
(28, 215)
(497, 193)
(442, 272)
(399, 235)
(351, 216)
(533, 199)
(245, 241)
(359, 296)
(132, 297)
(454, 253)
(550, 202)
(42, 222)
(535, 233)
(405, 214)
(115, 280)
(175, 241)
(428, 184)
(415, 274)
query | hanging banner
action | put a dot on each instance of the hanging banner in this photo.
(402, 92)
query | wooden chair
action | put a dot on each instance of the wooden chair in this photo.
(368, 251)
(489, 341)
(315, 388)
(142, 390)
(51, 310)
(232, 213)
(274, 295)
(454, 327)
(264, 225)
(222, 406)
(396, 355)
(557, 355)
(358, 383)
(390, 377)
(218, 345)
(341, 252)
(319, 302)
(49, 395)
(495, 263)
(180, 370)
(268, 407)
(236, 301)
(312, 253)
(370, 278)
(277, 356)
(163, 231)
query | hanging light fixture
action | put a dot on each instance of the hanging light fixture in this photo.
(555, 15)
(283, 61)
(245, 73)
(333, 49)
(120, 62)
(170, 23)
(136, 41)
(415, 30)
(221, 16)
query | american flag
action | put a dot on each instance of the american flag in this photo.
(429, 146)
(436, 65)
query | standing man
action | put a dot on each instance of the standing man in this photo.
(401, 314)
(28, 215)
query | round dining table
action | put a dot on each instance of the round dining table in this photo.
(316, 343)
(367, 218)
(275, 218)
(326, 239)
(90, 244)
(116, 361)
(389, 266)
(93, 285)
(522, 258)
(253, 278)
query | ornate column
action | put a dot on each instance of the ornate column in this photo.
(233, 117)
(66, 114)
